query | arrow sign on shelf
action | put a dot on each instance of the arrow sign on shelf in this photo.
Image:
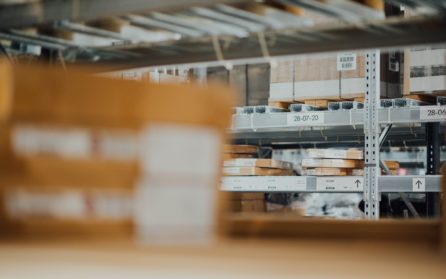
(419, 184)
(357, 182)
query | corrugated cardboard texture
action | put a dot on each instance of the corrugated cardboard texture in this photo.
(248, 149)
(5, 90)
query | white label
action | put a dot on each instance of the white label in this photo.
(305, 118)
(434, 113)
(419, 184)
(132, 75)
(232, 170)
(346, 61)
(181, 150)
(240, 163)
(44, 140)
(339, 184)
(265, 184)
(175, 201)
(180, 211)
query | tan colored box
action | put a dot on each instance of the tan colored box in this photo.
(247, 196)
(314, 77)
(357, 172)
(425, 69)
(335, 154)
(262, 163)
(326, 172)
(243, 149)
(255, 171)
(392, 165)
(332, 163)
(253, 206)
(230, 156)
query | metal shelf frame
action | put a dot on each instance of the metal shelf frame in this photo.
(354, 117)
(346, 184)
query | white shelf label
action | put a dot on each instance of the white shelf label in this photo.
(419, 184)
(346, 61)
(339, 184)
(305, 118)
(434, 113)
(264, 184)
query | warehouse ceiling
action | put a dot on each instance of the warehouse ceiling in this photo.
(141, 33)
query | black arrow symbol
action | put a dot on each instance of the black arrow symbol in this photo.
(357, 183)
(419, 183)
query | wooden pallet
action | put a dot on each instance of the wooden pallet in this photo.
(425, 98)
(282, 105)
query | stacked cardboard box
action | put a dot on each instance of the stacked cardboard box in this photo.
(393, 167)
(252, 166)
(329, 76)
(426, 71)
(239, 151)
(247, 202)
(333, 162)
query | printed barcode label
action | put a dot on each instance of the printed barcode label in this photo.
(346, 61)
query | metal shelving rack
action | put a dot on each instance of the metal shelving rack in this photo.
(369, 121)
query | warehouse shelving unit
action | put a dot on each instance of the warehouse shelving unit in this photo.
(246, 37)
(374, 122)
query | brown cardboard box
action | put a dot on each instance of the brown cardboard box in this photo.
(63, 99)
(335, 154)
(230, 156)
(5, 91)
(326, 171)
(255, 171)
(320, 77)
(247, 196)
(427, 74)
(252, 206)
(261, 163)
(331, 163)
(392, 165)
(243, 149)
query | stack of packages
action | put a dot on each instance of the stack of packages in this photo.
(425, 71)
(328, 77)
(240, 160)
(333, 162)
(247, 202)
(393, 167)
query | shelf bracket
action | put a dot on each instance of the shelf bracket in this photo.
(372, 135)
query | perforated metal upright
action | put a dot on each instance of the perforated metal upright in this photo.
(371, 133)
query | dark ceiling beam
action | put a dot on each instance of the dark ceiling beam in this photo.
(389, 34)
(45, 11)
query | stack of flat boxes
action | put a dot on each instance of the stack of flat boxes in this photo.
(240, 161)
(328, 162)
(427, 68)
